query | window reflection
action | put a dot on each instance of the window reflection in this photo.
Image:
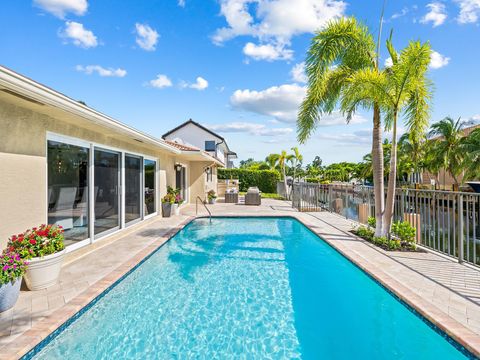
(149, 176)
(68, 189)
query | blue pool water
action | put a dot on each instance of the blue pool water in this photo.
(249, 288)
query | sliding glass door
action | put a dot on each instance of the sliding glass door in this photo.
(67, 194)
(133, 188)
(180, 181)
(106, 190)
(150, 168)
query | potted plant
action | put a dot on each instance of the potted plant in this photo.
(44, 249)
(212, 197)
(167, 202)
(178, 202)
(12, 268)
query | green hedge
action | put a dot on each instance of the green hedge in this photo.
(266, 180)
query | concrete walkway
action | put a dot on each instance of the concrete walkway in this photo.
(442, 290)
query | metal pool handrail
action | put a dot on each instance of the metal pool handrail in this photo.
(205, 206)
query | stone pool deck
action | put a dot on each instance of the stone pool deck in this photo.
(442, 290)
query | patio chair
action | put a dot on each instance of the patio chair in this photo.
(253, 196)
(62, 211)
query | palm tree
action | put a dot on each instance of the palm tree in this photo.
(297, 159)
(448, 145)
(341, 49)
(411, 149)
(283, 157)
(272, 161)
(401, 89)
(471, 146)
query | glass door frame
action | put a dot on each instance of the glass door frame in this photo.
(91, 185)
(120, 194)
(156, 182)
(141, 188)
(76, 142)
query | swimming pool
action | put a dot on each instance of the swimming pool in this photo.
(251, 287)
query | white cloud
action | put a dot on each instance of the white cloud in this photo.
(298, 73)
(273, 22)
(280, 102)
(104, 72)
(360, 137)
(267, 52)
(160, 82)
(200, 84)
(438, 60)
(76, 33)
(60, 8)
(250, 128)
(388, 62)
(437, 14)
(469, 11)
(400, 14)
(181, 3)
(147, 37)
(336, 118)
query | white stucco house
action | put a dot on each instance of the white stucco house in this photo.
(191, 133)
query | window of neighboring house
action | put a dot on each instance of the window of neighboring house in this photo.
(210, 145)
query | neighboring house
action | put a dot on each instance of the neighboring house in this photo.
(443, 179)
(193, 134)
(63, 162)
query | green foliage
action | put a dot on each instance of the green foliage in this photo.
(372, 222)
(266, 180)
(12, 266)
(365, 233)
(37, 242)
(211, 195)
(405, 232)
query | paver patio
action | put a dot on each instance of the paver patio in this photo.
(444, 291)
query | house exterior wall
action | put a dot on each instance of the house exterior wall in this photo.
(191, 134)
(23, 162)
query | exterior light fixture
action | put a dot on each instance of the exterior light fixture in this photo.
(178, 167)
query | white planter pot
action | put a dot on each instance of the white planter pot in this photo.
(43, 272)
(176, 209)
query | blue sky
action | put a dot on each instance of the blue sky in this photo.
(233, 65)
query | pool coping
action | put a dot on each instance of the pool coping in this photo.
(45, 329)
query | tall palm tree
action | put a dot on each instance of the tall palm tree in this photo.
(282, 160)
(411, 151)
(297, 159)
(402, 89)
(449, 145)
(341, 49)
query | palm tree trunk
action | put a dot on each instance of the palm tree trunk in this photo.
(285, 181)
(392, 181)
(377, 165)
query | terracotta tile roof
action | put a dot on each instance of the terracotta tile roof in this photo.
(182, 146)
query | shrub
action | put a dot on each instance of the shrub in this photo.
(372, 222)
(265, 180)
(365, 232)
(393, 244)
(404, 231)
(312, 180)
(380, 241)
(12, 267)
(37, 242)
(168, 198)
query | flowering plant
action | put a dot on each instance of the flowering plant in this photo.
(178, 199)
(38, 241)
(12, 267)
(169, 198)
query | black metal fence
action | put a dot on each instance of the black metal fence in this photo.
(446, 221)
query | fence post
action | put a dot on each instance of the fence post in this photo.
(460, 228)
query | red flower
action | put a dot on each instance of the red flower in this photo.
(32, 241)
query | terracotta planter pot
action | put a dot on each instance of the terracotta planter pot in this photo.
(166, 209)
(43, 272)
(9, 294)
